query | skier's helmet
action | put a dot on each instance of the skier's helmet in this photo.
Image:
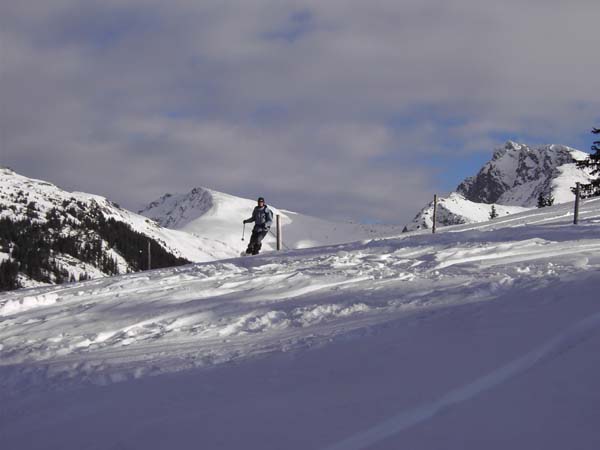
(261, 199)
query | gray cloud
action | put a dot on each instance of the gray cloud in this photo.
(325, 107)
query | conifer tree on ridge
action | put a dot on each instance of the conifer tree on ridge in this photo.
(592, 162)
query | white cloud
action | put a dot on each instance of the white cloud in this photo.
(338, 105)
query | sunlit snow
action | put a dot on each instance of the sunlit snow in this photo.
(481, 336)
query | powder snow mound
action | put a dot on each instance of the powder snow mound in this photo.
(511, 181)
(217, 216)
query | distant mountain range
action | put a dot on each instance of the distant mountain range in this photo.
(218, 217)
(511, 182)
(51, 236)
(48, 235)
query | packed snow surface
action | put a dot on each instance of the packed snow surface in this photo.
(481, 336)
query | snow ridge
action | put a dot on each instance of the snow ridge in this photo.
(176, 211)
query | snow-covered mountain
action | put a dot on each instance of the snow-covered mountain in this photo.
(482, 336)
(512, 180)
(455, 210)
(218, 217)
(48, 235)
(517, 174)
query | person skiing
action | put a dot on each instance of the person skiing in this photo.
(262, 217)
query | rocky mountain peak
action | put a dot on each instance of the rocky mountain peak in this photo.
(509, 146)
(512, 180)
(176, 210)
(517, 174)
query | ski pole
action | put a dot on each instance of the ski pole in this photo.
(244, 231)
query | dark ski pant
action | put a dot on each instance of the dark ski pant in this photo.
(255, 241)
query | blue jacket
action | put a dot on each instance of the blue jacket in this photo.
(262, 218)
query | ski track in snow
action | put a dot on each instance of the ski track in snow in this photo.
(403, 420)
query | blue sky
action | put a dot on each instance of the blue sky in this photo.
(347, 110)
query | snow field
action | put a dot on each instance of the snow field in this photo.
(204, 314)
(402, 342)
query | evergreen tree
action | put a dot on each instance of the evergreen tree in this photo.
(592, 162)
(9, 272)
(32, 211)
(493, 213)
(545, 201)
(541, 201)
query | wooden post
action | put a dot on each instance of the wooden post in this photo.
(576, 214)
(434, 213)
(149, 257)
(279, 238)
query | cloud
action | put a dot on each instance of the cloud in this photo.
(333, 108)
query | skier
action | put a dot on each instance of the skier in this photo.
(262, 217)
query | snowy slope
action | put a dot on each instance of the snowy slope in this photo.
(217, 216)
(481, 336)
(455, 210)
(46, 196)
(511, 181)
(23, 198)
(203, 225)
